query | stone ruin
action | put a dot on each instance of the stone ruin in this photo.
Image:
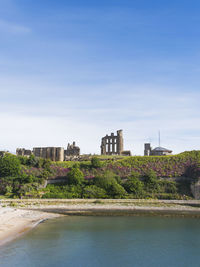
(23, 152)
(113, 144)
(72, 150)
(52, 153)
(2, 153)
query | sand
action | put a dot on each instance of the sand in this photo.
(15, 222)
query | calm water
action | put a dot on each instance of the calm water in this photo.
(107, 241)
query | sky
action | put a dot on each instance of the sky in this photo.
(76, 70)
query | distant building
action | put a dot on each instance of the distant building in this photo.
(72, 150)
(23, 152)
(52, 153)
(158, 151)
(2, 153)
(112, 144)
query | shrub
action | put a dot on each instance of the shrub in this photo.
(95, 162)
(94, 191)
(23, 160)
(75, 177)
(116, 191)
(151, 181)
(32, 161)
(108, 182)
(9, 166)
(134, 185)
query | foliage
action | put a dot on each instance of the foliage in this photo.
(9, 166)
(95, 162)
(151, 181)
(108, 182)
(32, 161)
(75, 176)
(93, 191)
(134, 185)
(120, 177)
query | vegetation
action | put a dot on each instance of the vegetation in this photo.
(128, 177)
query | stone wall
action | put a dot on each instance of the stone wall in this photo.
(23, 152)
(72, 150)
(52, 153)
(195, 188)
(112, 144)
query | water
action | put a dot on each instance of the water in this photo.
(107, 241)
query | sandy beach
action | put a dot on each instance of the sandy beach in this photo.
(15, 222)
(18, 216)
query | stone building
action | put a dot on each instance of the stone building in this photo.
(23, 152)
(52, 153)
(158, 151)
(2, 153)
(72, 150)
(112, 144)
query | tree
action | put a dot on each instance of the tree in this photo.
(134, 185)
(9, 166)
(151, 181)
(95, 162)
(93, 191)
(75, 176)
(108, 182)
(32, 161)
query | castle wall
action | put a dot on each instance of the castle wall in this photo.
(52, 153)
(113, 144)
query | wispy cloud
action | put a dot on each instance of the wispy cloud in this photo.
(13, 28)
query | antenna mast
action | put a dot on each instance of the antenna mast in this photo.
(159, 137)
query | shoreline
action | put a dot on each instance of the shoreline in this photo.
(18, 216)
(16, 222)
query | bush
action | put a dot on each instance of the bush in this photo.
(75, 177)
(32, 161)
(108, 182)
(23, 160)
(116, 191)
(95, 162)
(151, 181)
(133, 185)
(9, 166)
(94, 191)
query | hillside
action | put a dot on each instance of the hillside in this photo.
(167, 177)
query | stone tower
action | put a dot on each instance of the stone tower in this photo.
(112, 144)
(147, 149)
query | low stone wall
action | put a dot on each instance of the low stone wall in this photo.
(195, 189)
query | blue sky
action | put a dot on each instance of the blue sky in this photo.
(77, 70)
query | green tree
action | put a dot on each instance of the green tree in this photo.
(75, 176)
(32, 161)
(116, 191)
(134, 185)
(9, 166)
(95, 162)
(93, 191)
(151, 181)
(108, 182)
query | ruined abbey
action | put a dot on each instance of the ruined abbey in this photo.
(112, 144)
(52, 153)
